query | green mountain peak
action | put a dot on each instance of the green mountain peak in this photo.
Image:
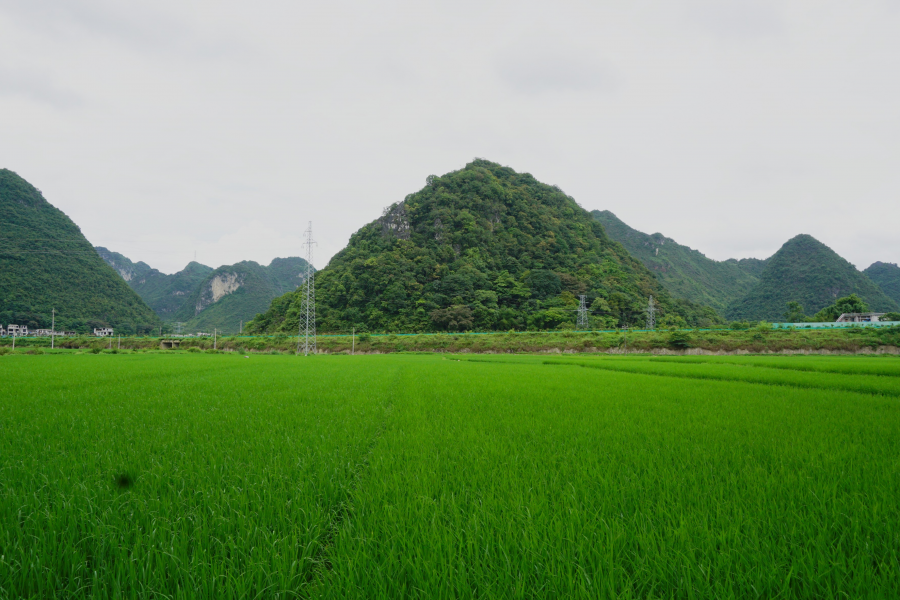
(482, 248)
(46, 263)
(807, 271)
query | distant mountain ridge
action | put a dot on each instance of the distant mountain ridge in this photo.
(807, 271)
(46, 263)
(685, 272)
(204, 298)
(887, 276)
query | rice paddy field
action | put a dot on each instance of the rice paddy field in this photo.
(435, 476)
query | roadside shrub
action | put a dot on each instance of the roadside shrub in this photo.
(193, 349)
(679, 340)
(95, 350)
(739, 325)
(34, 351)
(212, 351)
(4, 351)
(363, 338)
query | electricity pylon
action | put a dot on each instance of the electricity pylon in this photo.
(651, 314)
(308, 302)
(582, 313)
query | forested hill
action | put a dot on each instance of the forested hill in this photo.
(236, 293)
(46, 263)
(165, 294)
(887, 276)
(204, 298)
(807, 271)
(482, 248)
(685, 272)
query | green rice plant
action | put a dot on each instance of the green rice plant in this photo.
(440, 476)
(177, 475)
(868, 384)
(505, 480)
(852, 365)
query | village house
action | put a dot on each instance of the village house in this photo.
(103, 332)
(17, 330)
(860, 317)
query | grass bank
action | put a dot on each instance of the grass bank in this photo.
(756, 341)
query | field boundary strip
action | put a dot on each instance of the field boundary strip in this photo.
(773, 365)
(715, 377)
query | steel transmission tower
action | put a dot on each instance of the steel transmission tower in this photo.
(307, 335)
(582, 313)
(651, 314)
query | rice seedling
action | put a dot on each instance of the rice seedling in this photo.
(196, 475)
(825, 380)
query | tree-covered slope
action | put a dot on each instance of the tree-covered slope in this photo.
(482, 248)
(204, 298)
(46, 263)
(685, 272)
(887, 276)
(165, 294)
(807, 271)
(233, 294)
(123, 265)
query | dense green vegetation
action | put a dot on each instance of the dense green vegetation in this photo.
(482, 248)
(810, 273)
(887, 276)
(685, 272)
(757, 339)
(189, 297)
(165, 294)
(448, 476)
(46, 263)
(256, 287)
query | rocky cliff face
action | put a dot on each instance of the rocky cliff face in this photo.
(217, 288)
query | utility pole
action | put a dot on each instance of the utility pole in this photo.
(582, 313)
(53, 329)
(119, 345)
(14, 340)
(353, 340)
(651, 314)
(307, 327)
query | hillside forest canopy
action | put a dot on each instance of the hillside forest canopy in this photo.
(482, 249)
(46, 263)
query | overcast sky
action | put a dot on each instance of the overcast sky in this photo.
(167, 128)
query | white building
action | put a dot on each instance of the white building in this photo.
(2, 331)
(44, 332)
(860, 317)
(17, 330)
(103, 332)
